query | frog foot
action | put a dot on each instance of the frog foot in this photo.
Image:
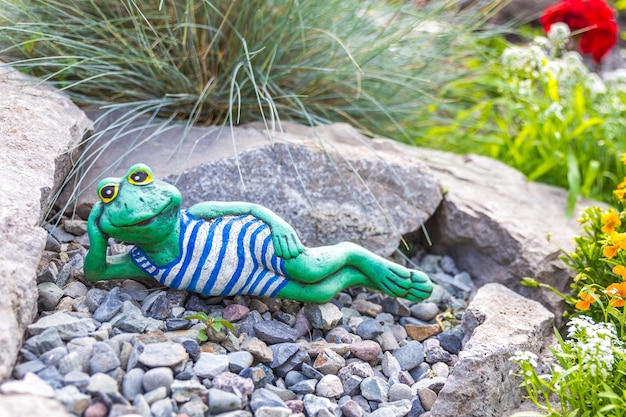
(411, 284)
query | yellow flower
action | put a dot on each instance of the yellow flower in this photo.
(610, 220)
(622, 184)
(619, 242)
(609, 251)
(620, 270)
(620, 194)
(617, 293)
(623, 158)
(586, 298)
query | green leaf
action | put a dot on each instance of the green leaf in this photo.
(202, 336)
(198, 316)
(228, 325)
(573, 181)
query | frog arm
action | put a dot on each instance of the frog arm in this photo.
(287, 245)
(98, 266)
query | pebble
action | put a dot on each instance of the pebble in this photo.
(410, 355)
(222, 401)
(329, 362)
(101, 383)
(425, 311)
(399, 392)
(323, 316)
(168, 354)
(427, 397)
(103, 358)
(157, 377)
(375, 388)
(31, 384)
(329, 386)
(369, 329)
(235, 312)
(365, 350)
(209, 365)
(273, 331)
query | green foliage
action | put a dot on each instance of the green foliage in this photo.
(214, 323)
(587, 378)
(543, 112)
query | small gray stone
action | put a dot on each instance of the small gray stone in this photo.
(323, 316)
(259, 349)
(367, 307)
(293, 377)
(183, 391)
(230, 382)
(77, 378)
(273, 331)
(30, 385)
(395, 307)
(47, 340)
(74, 401)
(435, 353)
(425, 311)
(94, 298)
(383, 412)
(72, 362)
(158, 377)
(272, 412)
(329, 386)
(103, 359)
(49, 295)
(410, 355)
(68, 325)
(441, 369)
(49, 274)
(365, 350)
(75, 289)
(375, 388)
(155, 395)
(390, 366)
(351, 409)
(235, 312)
(306, 386)
(329, 362)
(221, 401)
(296, 361)
(51, 375)
(240, 360)
(140, 403)
(156, 306)
(168, 354)
(314, 405)
(281, 353)
(352, 385)
(102, 383)
(369, 328)
(54, 356)
(209, 365)
(310, 372)
(427, 397)
(132, 383)
(162, 408)
(263, 397)
(451, 341)
(399, 392)
(194, 408)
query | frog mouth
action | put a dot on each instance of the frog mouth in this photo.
(150, 219)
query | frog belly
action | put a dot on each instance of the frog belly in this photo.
(223, 256)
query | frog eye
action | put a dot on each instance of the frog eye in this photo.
(108, 192)
(140, 176)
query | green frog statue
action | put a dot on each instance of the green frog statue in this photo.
(226, 248)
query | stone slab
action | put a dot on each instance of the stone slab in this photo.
(38, 129)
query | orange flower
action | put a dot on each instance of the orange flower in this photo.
(617, 293)
(622, 184)
(619, 242)
(620, 270)
(586, 298)
(610, 220)
(620, 194)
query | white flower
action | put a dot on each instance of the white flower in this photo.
(559, 34)
(524, 356)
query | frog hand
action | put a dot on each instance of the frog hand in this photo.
(287, 245)
(96, 235)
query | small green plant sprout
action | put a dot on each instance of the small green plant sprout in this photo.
(213, 325)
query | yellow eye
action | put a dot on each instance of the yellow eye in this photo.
(108, 192)
(140, 176)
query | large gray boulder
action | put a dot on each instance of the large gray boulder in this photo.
(328, 182)
(496, 224)
(500, 322)
(39, 128)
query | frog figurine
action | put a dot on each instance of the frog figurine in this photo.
(226, 248)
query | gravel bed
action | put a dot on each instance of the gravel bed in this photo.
(124, 348)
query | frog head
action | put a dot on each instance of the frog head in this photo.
(138, 208)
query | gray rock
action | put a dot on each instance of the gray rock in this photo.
(240, 360)
(323, 316)
(30, 385)
(500, 322)
(263, 397)
(399, 392)
(375, 388)
(50, 273)
(329, 386)
(273, 412)
(433, 352)
(399, 408)
(75, 289)
(74, 401)
(54, 356)
(68, 325)
(140, 403)
(425, 310)
(158, 377)
(306, 386)
(314, 405)
(103, 359)
(194, 408)
(273, 331)
(313, 200)
(156, 306)
(369, 329)
(162, 408)
(102, 383)
(49, 295)
(222, 401)
(155, 395)
(230, 382)
(329, 362)
(168, 354)
(94, 298)
(281, 353)
(47, 340)
(134, 289)
(183, 391)
(427, 397)
(51, 376)
(350, 408)
(72, 362)
(410, 355)
(76, 378)
(210, 365)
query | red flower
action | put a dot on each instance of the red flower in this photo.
(594, 18)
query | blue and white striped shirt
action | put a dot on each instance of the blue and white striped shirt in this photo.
(224, 256)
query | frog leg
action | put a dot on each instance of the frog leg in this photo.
(326, 270)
